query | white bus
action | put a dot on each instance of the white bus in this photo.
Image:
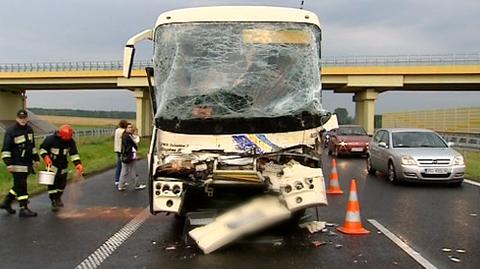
(237, 112)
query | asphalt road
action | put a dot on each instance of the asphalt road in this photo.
(103, 228)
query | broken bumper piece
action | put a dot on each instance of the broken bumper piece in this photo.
(257, 214)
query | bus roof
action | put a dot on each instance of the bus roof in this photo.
(238, 13)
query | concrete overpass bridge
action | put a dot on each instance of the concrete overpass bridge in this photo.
(365, 77)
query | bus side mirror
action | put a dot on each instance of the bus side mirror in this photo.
(129, 51)
(128, 54)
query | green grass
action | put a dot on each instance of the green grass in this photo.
(472, 160)
(96, 154)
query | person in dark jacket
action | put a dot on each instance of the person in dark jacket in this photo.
(21, 157)
(129, 149)
(55, 150)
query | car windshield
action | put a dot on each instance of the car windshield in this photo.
(231, 70)
(351, 131)
(417, 140)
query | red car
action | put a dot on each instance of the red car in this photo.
(348, 139)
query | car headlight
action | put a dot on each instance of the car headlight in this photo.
(408, 160)
(458, 160)
(343, 144)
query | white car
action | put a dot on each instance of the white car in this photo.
(414, 155)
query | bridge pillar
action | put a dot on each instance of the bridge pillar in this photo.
(144, 118)
(365, 109)
(10, 103)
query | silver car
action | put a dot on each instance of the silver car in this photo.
(414, 155)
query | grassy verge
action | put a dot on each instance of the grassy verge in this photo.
(472, 160)
(96, 154)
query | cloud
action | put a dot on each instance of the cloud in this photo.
(78, 30)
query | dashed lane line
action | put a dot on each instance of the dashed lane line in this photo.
(410, 251)
(106, 249)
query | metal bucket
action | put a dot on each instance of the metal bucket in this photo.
(46, 177)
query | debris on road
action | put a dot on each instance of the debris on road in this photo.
(171, 248)
(318, 243)
(461, 251)
(338, 246)
(473, 214)
(446, 249)
(313, 226)
(330, 233)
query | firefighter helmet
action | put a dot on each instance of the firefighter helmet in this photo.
(65, 132)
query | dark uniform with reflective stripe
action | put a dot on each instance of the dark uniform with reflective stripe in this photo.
(19, 152)
(58, 150)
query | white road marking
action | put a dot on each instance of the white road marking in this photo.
(106, 249)
(472, 182)
(410, 251)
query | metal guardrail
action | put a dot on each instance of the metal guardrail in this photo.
(402, 60)
(463, 141)
(87, 132)
(70, 66)
(399, 60)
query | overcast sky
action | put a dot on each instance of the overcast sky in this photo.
(79, 30)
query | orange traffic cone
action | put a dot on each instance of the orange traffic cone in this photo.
(353, 224)
(334, 187)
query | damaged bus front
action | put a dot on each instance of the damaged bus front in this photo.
(237, 112)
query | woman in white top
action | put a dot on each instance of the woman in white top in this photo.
(117, 147)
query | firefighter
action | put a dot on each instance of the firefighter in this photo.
(21, 157)
(55, 150)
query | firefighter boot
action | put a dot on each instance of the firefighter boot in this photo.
(7, 204)
(59, 201)
(25, 212)
(55, 206)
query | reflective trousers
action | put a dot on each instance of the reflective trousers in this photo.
(56, 190)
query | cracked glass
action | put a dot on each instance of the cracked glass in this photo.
(237, 70)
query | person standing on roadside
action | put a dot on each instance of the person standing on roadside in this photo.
(55, 150)
(129, 149)
(21, 157)
(117, 147)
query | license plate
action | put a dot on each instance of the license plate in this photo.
(357, 149)
(436, 171)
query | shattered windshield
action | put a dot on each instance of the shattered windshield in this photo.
(236, 70)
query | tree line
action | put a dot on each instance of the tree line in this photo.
(84, 113)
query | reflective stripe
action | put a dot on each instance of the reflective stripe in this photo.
(13, 192)
(75, 157)
(23, 197)
(65, 151)
(30, 137)
(55, 151)
(19, 139)
(43, 151)
(52, 191)
(20, 168)
(34, 150)
(6, 154)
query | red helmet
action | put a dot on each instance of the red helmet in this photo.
(65, 132)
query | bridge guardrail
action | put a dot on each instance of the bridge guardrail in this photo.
(70, 66)
(398, 60)
(401, 60)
